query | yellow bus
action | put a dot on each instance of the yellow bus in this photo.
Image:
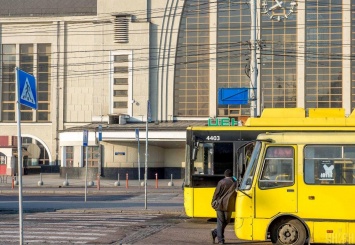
(299, 188)
(212, 149)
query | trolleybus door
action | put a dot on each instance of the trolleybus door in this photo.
(276, 189)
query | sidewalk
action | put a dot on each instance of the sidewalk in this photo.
(53, 183)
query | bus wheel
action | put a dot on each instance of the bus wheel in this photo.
(290, 232)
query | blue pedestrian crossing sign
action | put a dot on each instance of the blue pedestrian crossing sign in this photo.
(27, 91)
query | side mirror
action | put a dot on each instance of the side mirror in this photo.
(248, 182)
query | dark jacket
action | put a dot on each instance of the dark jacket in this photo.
(228, 201)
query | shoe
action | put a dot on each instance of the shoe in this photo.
(221, 242)
(213, 236)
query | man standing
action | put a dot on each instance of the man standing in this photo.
(225, 194)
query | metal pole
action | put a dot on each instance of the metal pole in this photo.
(253, 64)
(100, 149)
(86, 171)
(139, 165)
(99, 162)
(146, 158)
(19, 155)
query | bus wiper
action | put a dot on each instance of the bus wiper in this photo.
(245, 193)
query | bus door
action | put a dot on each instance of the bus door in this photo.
(276, 190)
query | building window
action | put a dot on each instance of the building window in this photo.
(93, 156)
(121, 75)
(278, 70)
(43, 82)
(8, 83)
(192, 69)
(121, 69)
(121, 58)
(233, 35)
(120, 93)
(323, 54)
(120, 81)
(69, 156)
(120, 104)
(26, 63)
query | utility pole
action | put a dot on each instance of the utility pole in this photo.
(253, 93)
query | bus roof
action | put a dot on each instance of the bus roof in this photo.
(292, 117)
(309, 137)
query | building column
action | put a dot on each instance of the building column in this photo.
(213, 59)
(346, 71)
(301, 50)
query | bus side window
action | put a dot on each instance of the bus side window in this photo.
(278, 170)
(329, 164)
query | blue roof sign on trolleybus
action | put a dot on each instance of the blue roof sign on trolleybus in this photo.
(27, 91)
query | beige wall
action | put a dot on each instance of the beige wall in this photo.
(130, 159)
(174, 157)
(108, 7)
(81, 55)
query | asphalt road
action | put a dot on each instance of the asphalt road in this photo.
(111, 227)
(111, 215)
(124, 201)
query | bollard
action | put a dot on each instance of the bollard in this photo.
(13, 182)
(117, 183)
(156, 180)
(98, 181)
(126, 180)
(171, 181)
(16, 180)
(40, 182)
(66, 183)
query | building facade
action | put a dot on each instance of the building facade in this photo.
(99, 62)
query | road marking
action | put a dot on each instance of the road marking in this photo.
(67, 228)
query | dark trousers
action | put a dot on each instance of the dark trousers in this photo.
(223, 219)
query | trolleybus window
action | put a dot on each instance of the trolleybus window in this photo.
(329, 165)
(278, 168)
(213, 158)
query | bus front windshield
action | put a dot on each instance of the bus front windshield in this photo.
(250, 171)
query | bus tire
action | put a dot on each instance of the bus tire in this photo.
(288, 232)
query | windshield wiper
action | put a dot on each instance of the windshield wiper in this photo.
(244, 193)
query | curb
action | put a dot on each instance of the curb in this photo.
(181, 212)
(135, 211)
(78, 190)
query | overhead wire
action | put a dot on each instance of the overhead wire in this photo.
(146, 51)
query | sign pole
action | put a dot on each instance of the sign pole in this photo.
(146, 155)
(139, 161)
(26, 94)
(85, 144)
(100, 161)
(86, 171)
(19, 158)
